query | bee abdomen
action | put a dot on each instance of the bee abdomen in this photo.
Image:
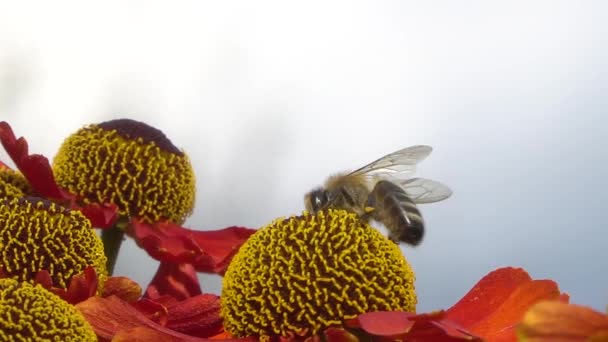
(397, 212)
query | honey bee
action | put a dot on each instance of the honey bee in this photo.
(383, 190)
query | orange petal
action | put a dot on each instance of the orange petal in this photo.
(489, 293)
(196, 316)
(123, 288)
(110, 316)
(557, 321)
(500, 324)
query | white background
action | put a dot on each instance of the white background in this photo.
(270, 97)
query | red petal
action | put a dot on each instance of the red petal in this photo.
(392, 325)
(196, 316)
(35, 167)
(339, 335)
(384, 323)
(111, 317)
(177, 280)
(207, 251)
(123, 288)
(489, 293)
(82, 286)
(558, 321)
(500, 325)
(101, 215)
(155, 311)
(145, 334)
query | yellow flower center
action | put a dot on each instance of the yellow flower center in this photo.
(130, 164)
(304, 274)
(13, 184)
(37, 235)
(31, 313)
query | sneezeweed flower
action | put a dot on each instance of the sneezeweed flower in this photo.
(126, 174)
(31, 313)
(37, 235)
(558, 321)
(302, 275)
(130, 164)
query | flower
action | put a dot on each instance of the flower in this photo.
(558, 321)
(31, 313)
(130, 164)
(129, 168)
(38, 235)
(299, 276)
(173, 309)
(490, 311)
(12, 183)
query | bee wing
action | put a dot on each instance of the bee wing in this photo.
(399, 165)
(422, 190)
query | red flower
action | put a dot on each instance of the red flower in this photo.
(173, 308)
(208, 251)
(490, 312)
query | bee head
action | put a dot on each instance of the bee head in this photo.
(316, 200)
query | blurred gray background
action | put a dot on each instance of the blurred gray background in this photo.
(268, 98)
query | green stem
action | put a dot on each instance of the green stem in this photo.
(112, 239)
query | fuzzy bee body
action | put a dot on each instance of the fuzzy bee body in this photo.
(397, 212)
(384, 191)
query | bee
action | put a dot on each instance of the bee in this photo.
(383, 191)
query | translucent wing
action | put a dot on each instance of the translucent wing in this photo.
(399, 165)
(422, 190)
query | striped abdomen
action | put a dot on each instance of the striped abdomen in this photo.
(397, 212)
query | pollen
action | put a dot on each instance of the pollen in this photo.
(13, 184)
(37, 235)
(130, 164)
(303, 274)
(31, 313)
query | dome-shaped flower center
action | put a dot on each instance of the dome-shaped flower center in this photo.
(31, 313)
(303, 274)
(130, 164)
(37, 235)
(13, 184)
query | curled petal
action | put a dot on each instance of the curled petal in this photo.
(558, 321)
(176, 280)
(207, 251)
(102, 215)
(36, 168)
(82, 286)
(123, 288)
(39, 174)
